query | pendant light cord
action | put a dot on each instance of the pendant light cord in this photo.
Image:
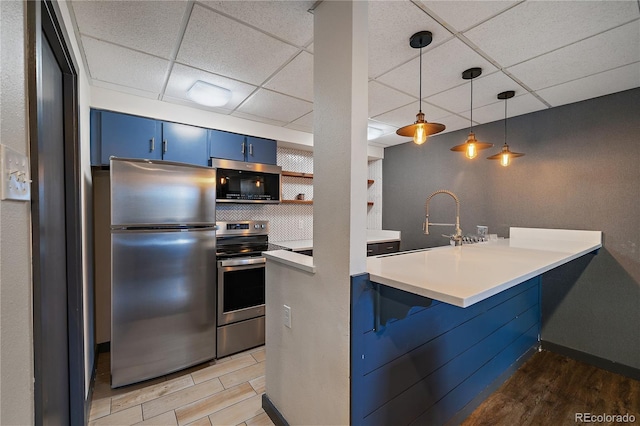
(420, 100)
(471, 120)
(505, 121)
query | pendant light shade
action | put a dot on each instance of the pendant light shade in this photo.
(420, 129)
(471, 146)
(505, 155)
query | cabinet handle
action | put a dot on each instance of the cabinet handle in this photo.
(250, 149)
(242, 150)
(153, 145)
(165, 146)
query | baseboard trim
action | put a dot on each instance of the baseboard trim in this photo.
(102, 348)
(596, 361)
(276, 417)
(466, 411)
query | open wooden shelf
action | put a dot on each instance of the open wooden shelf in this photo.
(298, 174)
(297, 201)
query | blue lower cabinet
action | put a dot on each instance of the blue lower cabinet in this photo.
(184, 144)
(426, 365)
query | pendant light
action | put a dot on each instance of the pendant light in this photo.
(471, 146)
(420, 129)
(505, 155)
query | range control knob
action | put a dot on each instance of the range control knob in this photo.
(263, 226)
(256, 226)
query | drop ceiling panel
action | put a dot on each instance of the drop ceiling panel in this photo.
(607, 82)
(391, 25)
(296, 78)
(259, 119)
(232, 49)
(287, 20)
(275, 106)
(536, 27)
(183, 77)
(522, 103)
(407, 115)
(583, 58)
(453, 123)
(151, 27)
(125, 67)
(463, 15)
(383, 99)
(485, 89)
(441, 69)
(304, 123)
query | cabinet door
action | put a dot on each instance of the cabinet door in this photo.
(261, 150)
(129, 136)
(184, 144)
(226, 145)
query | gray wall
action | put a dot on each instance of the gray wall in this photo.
(581, 171)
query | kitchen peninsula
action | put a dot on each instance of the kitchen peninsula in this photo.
(431, 329)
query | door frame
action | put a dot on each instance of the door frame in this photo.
(42, 21)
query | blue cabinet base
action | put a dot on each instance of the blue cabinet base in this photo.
(428, 366)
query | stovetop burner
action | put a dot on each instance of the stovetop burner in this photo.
(243, 239)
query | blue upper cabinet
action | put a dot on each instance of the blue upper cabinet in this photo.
(127, 136)
(232, 146)
(229, 146)
(261, 150)
(184, 143)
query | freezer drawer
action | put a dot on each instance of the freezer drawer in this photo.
(240, 336)
(161, 193)
(163, 302)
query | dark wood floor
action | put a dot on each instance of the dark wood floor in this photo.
(549, 389)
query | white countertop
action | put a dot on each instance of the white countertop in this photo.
(373, 236)
(467, 274)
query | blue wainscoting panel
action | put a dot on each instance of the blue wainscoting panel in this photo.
(426, 367)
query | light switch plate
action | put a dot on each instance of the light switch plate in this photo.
(286, 315)
(15, 178)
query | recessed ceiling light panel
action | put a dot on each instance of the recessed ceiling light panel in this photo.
(207, 94)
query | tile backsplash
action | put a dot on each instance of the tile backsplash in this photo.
(295, 221)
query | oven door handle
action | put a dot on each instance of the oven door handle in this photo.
(243, 261)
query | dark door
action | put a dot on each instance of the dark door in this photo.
(58, 322)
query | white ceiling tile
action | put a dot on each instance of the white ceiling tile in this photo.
(485, 89)
(583, 58)
(183, 77)
(391, 25)
(259, 119)
(441, 69)
(287, 20)
(124, 89)
(383, 99)
(275, 106)
(233, 50)
(462, 15)
(407, 115)
(521, 103)
(148, 26)
(296, 78)
(304, 123)
(134, 69)
(536, 27)
(390, 139)
(612, 81)
(453, 123)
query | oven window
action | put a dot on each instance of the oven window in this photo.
(243, 288)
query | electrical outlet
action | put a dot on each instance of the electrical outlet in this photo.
(300, 224)
(287, 315)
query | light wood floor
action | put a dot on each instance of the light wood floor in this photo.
(548, 389)
(223, 392)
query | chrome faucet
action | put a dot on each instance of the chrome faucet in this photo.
(457, 237)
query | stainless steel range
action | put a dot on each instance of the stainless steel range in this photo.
(241, 284)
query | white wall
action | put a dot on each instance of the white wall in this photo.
(16, 328)
(307, 370)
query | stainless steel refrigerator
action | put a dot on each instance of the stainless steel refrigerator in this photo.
(163, 269)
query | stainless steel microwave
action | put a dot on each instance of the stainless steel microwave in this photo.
(242, 182)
